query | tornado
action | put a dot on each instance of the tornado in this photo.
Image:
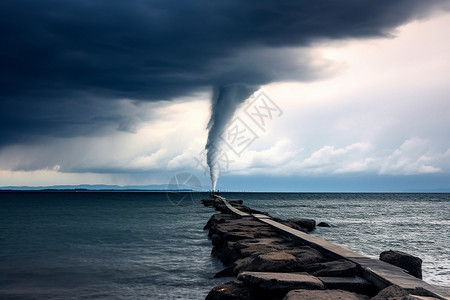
(224, 102)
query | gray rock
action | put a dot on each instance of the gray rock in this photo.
(232, 290)
(335, 268)
(281, 281)
(392, 292)
(227, 272)
(352, 284)
(323, 295)
(308, 224)
(259, 248)
(217, 218)
(280, 261)
(323, 224)
(216, 240)
(408, 262)
(235, 202)
(209, 202)
(226, 252)
(306, 256)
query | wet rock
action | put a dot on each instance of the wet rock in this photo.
(216, 240)
(238, 235)
(353, 284)
(392, 292)
(281, 281)
(231, 291)
(227, 272)
(306, 256)
(216, 219)
(295, 226)
(335, 268)
(323, 224)
(219, 206)
(276, 241)
(280, 261)
(235, 202)
(323, 295)
(406, 261)
(226, 253)
(274, 257)
(209, 202)
(259, 248)
(235, 225)
(308, 224)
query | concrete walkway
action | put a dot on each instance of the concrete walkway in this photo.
(380, 273)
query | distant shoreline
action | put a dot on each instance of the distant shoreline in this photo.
(86, 190)
(93, 190)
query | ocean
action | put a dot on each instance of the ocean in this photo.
(147, 245)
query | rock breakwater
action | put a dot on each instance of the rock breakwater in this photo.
(265, 264)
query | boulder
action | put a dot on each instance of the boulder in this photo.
(209, 202)
(227, 272)
(323, 224)
(245, 224)
(239, 235)
(308, 224)
(334, 268)
(392, 292)
(295, 226)
(235, 202)
(232, 290)
(279, 261)
(226, 253)
(217, 218)
(323, 295)
(216, 240)
(277, 282)
(353, 284)
(259, 248)
(219, 206)
(412, 264)
(230, 251)
(306, 256)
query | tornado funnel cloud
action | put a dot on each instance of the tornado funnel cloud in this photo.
(225, 100)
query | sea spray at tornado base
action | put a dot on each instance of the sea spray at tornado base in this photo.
(225, 100)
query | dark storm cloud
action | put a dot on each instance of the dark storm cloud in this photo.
(64, 64)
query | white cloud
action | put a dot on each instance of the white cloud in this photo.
(272, 160)
(175, 127)
(329, 160)
(414, 156)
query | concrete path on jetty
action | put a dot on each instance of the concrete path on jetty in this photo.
(379, 273)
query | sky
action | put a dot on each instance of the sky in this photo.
(349, 95)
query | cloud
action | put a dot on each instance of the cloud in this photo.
(176, 126)
(329, 159)
(81, 68)
(414, 156)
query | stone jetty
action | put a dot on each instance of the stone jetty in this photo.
(269, 258)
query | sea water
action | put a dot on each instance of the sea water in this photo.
(130, 245)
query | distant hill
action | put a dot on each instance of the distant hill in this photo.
(102, 187)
